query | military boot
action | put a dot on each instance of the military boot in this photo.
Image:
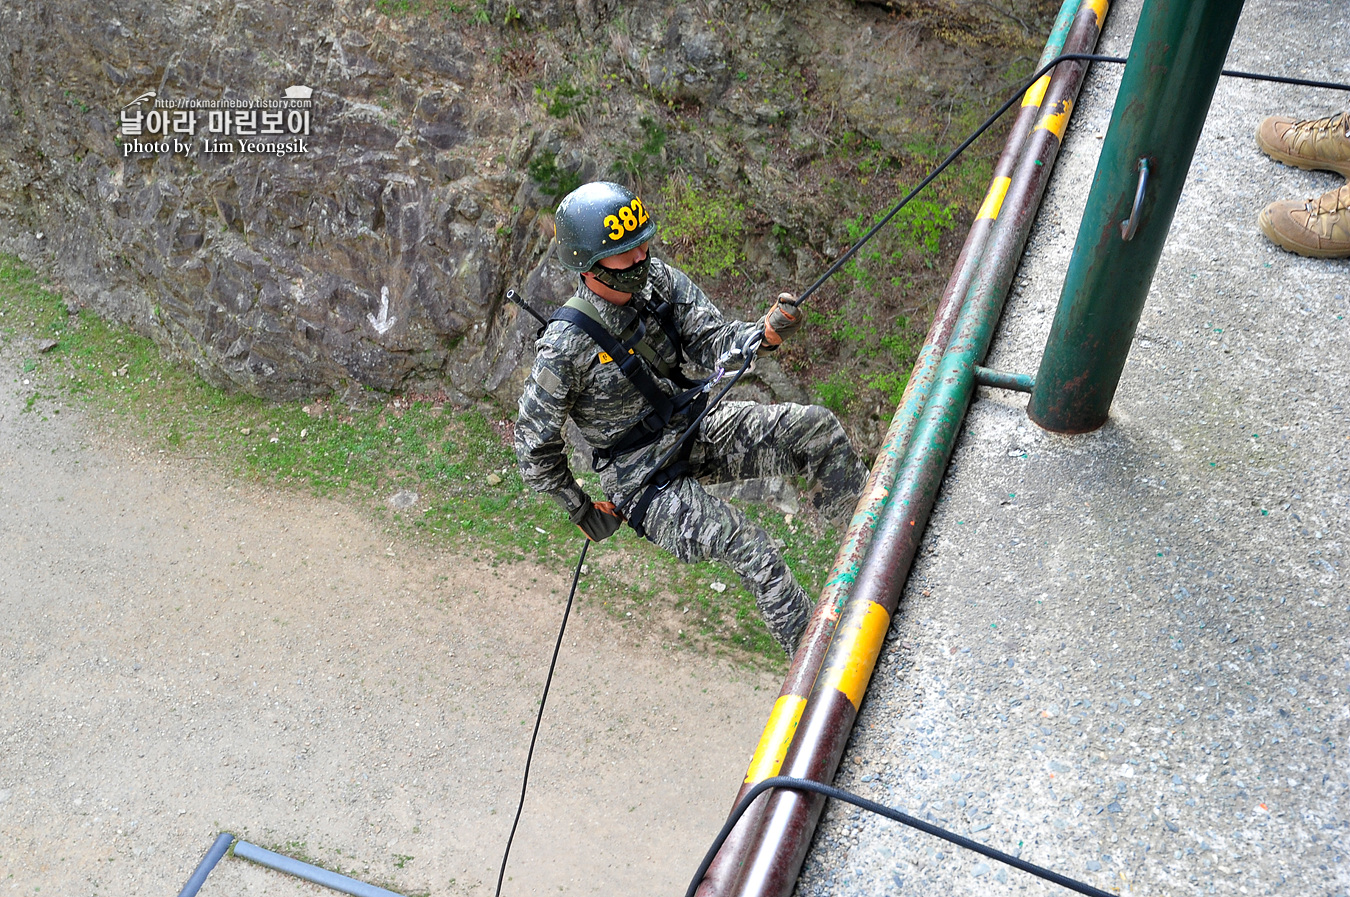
(1322, 144)
(1318, 228)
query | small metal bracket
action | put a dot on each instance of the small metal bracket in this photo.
(1004, 379)
(1130, 225)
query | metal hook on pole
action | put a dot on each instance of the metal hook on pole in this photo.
(1130, 225)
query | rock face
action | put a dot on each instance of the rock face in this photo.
(440, 135)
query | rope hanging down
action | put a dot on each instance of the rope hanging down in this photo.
(543, 699)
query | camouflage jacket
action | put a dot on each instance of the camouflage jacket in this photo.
(569, 378)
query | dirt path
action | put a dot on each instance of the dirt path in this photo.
(185, 654)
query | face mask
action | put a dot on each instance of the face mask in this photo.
(626, 280)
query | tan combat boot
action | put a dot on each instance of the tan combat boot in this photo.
(1322, 144)
(1318, 228)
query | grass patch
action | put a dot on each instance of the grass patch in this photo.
(701, 227)
(458, 461)
(407, 8)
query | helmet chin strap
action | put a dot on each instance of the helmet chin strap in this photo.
(626, 280)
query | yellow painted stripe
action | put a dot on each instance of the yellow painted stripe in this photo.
(993, 200)
(773, 744)
(863, 642)
(1036, 92)
(1099, 8)
(1057, 119)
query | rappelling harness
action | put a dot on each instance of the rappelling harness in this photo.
(628, 351)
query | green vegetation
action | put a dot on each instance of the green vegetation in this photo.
(864, 321)
(562, 99)
(702, 228)
(639, 162)
(555, 181)
(837, 392)
(399, 8)
(911, 239)
(446, 9)
(459, 462)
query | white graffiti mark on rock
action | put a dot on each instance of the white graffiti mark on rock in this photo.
(383, 322)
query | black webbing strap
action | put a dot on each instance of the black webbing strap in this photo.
(637, 514)
(664, 407)
(622, 355)
(664, 312)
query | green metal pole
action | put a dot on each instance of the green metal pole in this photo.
(1174, 63)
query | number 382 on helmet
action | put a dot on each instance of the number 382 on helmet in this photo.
(598, 220)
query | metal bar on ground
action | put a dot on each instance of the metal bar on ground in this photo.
(789, 818)
(217, 850)
(319, 876)
(1174, 64)
(1087, 16)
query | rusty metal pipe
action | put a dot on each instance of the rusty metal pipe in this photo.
(782, 723)
(826, 717)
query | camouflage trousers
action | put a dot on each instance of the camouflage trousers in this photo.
(744, 440)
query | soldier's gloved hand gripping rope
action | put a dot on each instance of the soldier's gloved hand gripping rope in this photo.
(597, 519)
(784, 319)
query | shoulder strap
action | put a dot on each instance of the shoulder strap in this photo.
(663, 308)
(634, 338)
(587, 319)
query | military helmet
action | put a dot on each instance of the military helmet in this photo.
(598, 220)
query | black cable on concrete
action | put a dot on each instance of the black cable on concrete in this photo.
(882, 810)
(548, 680)
(1281, 79)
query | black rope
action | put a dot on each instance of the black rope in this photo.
(548, 680)
(1281, 79)
(965, 144)
(882, 810)
(951, 157)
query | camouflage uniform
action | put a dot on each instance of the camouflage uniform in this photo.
(737, 440)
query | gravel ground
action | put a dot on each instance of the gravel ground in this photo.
(1123, 655)
(185, 654)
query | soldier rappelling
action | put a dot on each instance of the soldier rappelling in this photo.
(611, 360)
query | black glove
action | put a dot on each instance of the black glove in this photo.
(783, 320)
(597, 519)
